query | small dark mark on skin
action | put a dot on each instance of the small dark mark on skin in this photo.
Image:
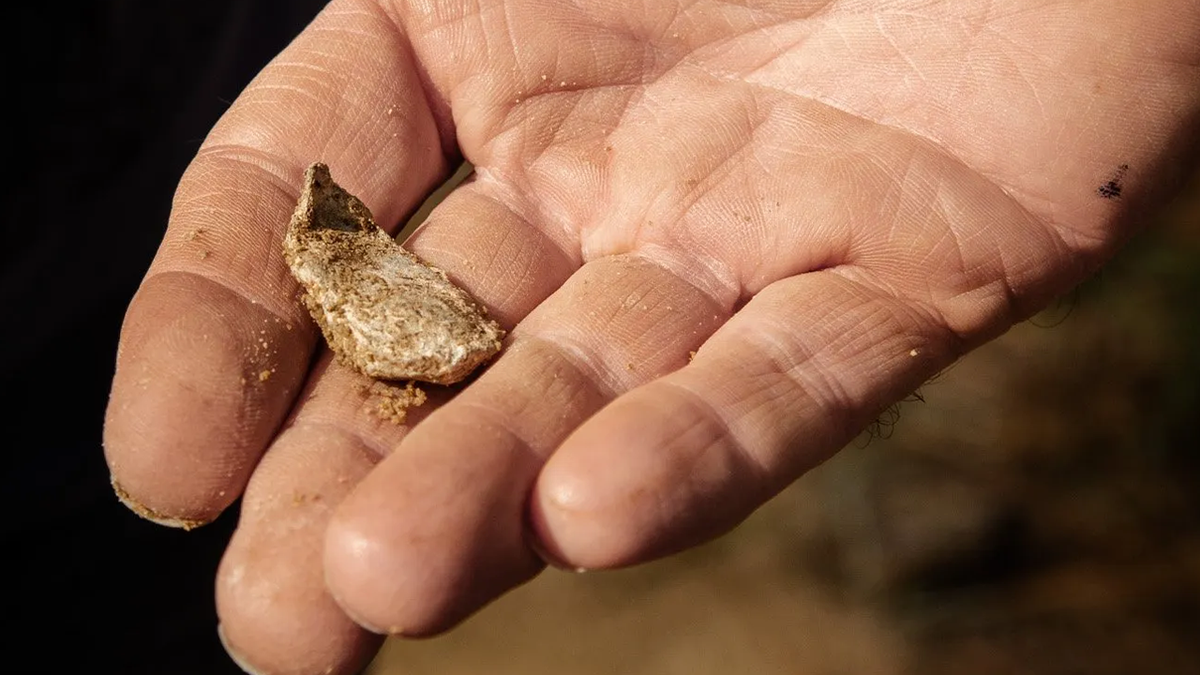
(1112, 189)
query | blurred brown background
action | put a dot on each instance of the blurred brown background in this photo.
(1037, 512)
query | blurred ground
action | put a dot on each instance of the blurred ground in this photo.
(1036, 513)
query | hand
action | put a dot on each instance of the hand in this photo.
(723, 239)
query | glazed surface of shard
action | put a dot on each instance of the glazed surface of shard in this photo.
(381, 308)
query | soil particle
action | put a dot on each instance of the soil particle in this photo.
(393, 401)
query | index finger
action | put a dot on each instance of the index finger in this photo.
(214, 346)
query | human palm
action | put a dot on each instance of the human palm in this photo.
(724, 237)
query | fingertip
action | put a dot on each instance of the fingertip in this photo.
(435, 532)
(578, 512)
(400, 586)
(644, 478)
(152, 477)
(550, 527)
(267, 629)
(202, 379)
(276, 615)
(260, 644)
(407, 602)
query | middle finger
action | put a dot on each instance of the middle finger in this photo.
(438, 528)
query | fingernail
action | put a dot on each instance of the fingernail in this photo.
(238, 659)
(150, 514)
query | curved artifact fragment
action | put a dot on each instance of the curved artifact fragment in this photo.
(382, 309)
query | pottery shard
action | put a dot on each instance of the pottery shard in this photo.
(381, 308)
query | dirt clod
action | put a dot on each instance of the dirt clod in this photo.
(382, 310)
(393, 401)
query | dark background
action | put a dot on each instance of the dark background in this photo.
(1038, 512)
(111, 100)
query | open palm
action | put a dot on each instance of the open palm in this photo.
(724, 236)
